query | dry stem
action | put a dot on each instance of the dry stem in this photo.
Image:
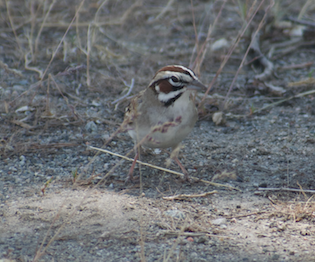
(161, 168)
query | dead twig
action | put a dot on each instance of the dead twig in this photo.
(284, 100)
(307, 81)
(303, 65)
(42, 26)
(32, 68)
(185, 234)
(302, 22)
(164, 10)
(184, 196)
(62, 40)
(24, 125)
(246, 215)
(261, 58)
(13, 27)
(286, 189)
(188, 234)
(226, 58)
(204, 48)
(10, 70)
(285, 51)
(162, 168)
(276, 90)
(128, 93)
(254, 35)
(224, 175)
(70, 70)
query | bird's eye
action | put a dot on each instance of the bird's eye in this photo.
(175, 79)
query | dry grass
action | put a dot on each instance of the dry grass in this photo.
(91, 49)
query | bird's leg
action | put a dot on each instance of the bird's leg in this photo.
(185, 172)
(130, 173)
(174, 155)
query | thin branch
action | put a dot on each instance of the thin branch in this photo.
(302, 22)
(12, 26)
(164, 10)
(284, 100)
(268, 66)
(62, 39)
(296, 66)
(183, 196)
(42, 26)
(226, 58)
(203, 50)
(161, 168)
(128, 93)
(246, 53)
(286, 189)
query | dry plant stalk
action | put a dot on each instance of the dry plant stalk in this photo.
(227, 57)
(27, 61)
(159, 168)
(249, 47)
(223, 175)
(201, 54)
(275, 189)
(15, 72)
(284, 100)
(171, 251)
(62, 39)
(164, 10)
(41, 29)
(307, 81)
(12, 26)
(185, 196)
(268, 65)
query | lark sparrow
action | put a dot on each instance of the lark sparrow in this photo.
(163, 114)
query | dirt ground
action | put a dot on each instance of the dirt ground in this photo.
(61, 201)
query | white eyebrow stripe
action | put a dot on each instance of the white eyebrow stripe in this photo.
(187, 69)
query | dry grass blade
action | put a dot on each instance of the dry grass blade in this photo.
(204, 48)
(247, 51)
(10, 70)
(227, 57)
(164, 10)
(305, 8)
(138, 161)
(42, 26)
(185, 196)
(303, 65)
(171, 251)
(307, 81)
(261, 58)
(32, 68)
(284, 100)
(130, 87)
(62, 39)
(302, 22)
(24, 125)
(162, 168)
(42, 250)
(286, 189)
(88, 52)
(12, 26)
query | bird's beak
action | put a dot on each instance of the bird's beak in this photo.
(196, 85)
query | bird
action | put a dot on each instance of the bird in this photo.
(164, 113)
